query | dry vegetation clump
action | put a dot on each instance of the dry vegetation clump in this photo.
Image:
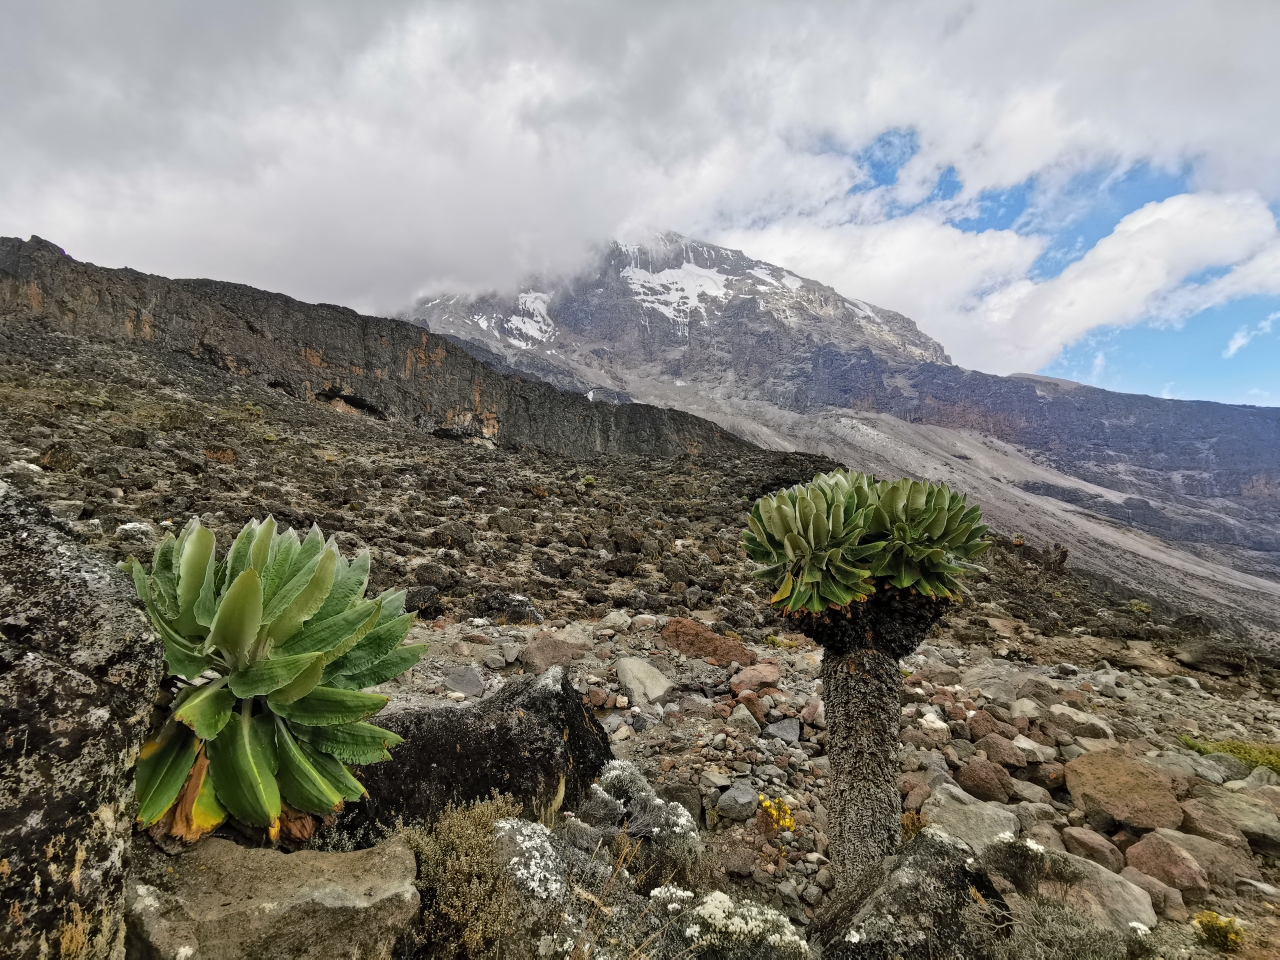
(469, 902)
(1044, 929)
(1254, 754)
(1041, 927)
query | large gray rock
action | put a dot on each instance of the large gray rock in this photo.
(738, 802)
(1108, 897)
(533, 739)
(976, 822)
(643, 682)
(222, 901)
(1253, 818)
(787, 730)
(79, 667)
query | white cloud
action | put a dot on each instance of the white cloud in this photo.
(362, 153)
(1241, 337)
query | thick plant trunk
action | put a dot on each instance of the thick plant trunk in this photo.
(862, 707)
(860, 686)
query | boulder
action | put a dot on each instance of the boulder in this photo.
(1158, 856)
(1093, 846)
(1222, 865)
(787, 730)
(985, 780)
(756, 677)
(1107, 897)
(1080, 724)
(1112, 787)
(977, 823)
(1165, 900)
(466, 680)
(1203, 820)
(1044, 835)
(534, 739)
(1232, 768)
(79, 671)
(742, 719)
(996, 681)
(919, 906)
(695, 640)
(1026, 708)
(1001, 751)
(738, 802)
(539, 656)
(1035, 752)
(642, 682)
(982, 724)
(1254, 819)
(222, 901)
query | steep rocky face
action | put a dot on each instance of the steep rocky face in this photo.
(386, 368)
(79, 667)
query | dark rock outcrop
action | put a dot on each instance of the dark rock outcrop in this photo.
(386, 369)
(79, 668)
(915, 907)
(534, 739)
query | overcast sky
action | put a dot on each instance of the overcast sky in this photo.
(1084, 189)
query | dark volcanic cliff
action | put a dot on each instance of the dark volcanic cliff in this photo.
(386, 368)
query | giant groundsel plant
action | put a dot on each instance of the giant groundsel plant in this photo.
(830, 542)
(276, 642)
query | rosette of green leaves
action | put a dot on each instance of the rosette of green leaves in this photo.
(278, 641)
(835, 540)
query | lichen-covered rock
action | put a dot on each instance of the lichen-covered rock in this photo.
(916, 907)
(222, 901)
(533, 739)
(79, 668)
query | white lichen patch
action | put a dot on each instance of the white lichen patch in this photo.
(535, 867)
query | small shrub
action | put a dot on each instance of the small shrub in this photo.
(671, 850)
(469, 901)
(1254, 754)
(1044, 929)
(1137, 606)
(720, 928)
(1220, 933)
(912, 823)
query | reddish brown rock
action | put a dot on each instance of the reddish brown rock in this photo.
(749, 700)
(1165, 900)
(753, 678)
(1001, 751)
(918, 795)
(1202, 820)
(1112, 787)
(598, 696)
(694, 640)
(1222, 864)
(985, 780)
(1093, 846)
(1158, 856)
(982, 724)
